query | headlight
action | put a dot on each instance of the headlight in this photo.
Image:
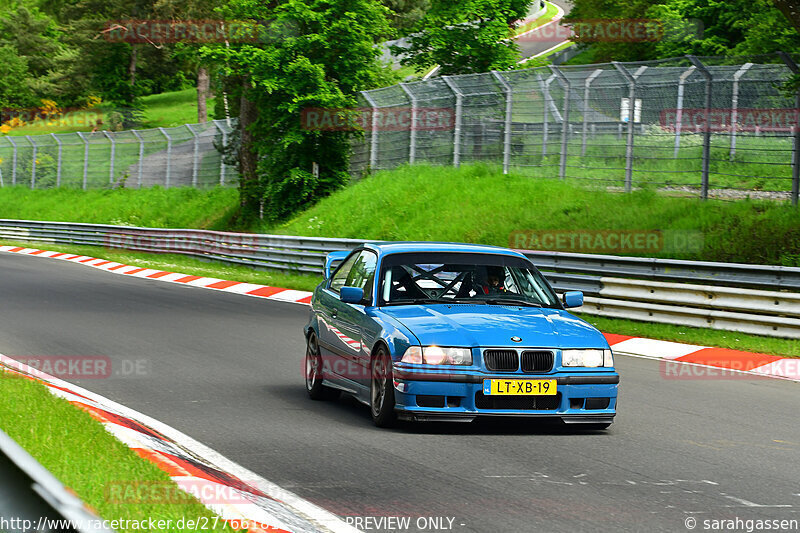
(437, 355)
(587, 358)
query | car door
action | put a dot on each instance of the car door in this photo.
(353, 318)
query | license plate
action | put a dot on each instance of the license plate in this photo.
(519, 387)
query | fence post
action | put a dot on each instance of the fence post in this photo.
(373, 142)
(796, 147)
(707, 134)
(562, 169)
(195, 154)
(13, 161)
(412, 142)
(458, 118)
(33, 160)
(58, 164)
(679, 111)
(141, 158)
(587, 86)
(169, 156)
(113, 151)
(508, 122)
(222, 155)
(631, 124)
(546, 118)
(85, 158)
(735, 105)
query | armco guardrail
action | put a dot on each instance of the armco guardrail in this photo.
(32, 499)
(760, 299)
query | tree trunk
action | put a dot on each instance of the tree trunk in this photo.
(132, 66)
(202, 94)
(249, 190)
(790, 10)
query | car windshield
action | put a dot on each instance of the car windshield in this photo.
(490, 279)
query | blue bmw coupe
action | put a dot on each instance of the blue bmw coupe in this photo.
(428, 331)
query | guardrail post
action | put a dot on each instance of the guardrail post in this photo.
(562, 169)
(113, 151)
(85, 158)
(546, 117)
(508, 122)
(707, 134)
(58, 164)
(169, 156)
(412, 139)
(458, 119)
(141, 158)
(796, 147)
(735, 105)
(679, 107)
(631, 124)
(373, 142)
(587, 85)
(13, 161)
(222, 155)
(195, 154)
(33, 160)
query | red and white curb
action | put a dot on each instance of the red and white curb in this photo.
(247, 289)
(730, 361)
(237, 495)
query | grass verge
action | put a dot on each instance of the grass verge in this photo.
(546, 17)
(78, 451)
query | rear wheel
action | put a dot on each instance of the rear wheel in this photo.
(382, 390)
(313, 370)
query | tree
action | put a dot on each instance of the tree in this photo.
(465, 37)
(790, 10)
(311, 54)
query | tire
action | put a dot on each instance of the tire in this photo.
(313, 372)
(382, 390)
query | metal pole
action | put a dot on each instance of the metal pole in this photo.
(707, 134)
(587, 86)
(679, 110)
(169, 156)
(141, 157)
(412, 141)
(222, 155)
(113, 150)
(735, 105)
(562, 169)
(373, 147)
(509, 110)
(33, 161)
(631, 120)
(546, 118)
(85, 158)
(195, 154)
(58, 164)
(13, 161)
(458, 119)
(796, 148)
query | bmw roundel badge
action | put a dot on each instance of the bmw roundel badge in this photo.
(516, 339)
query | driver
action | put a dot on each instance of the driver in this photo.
(495, 276)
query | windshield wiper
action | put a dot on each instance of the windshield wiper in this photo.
(511, 301)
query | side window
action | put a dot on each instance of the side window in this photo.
(362, 275)
(339, 278)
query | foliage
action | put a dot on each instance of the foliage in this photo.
(466, 37)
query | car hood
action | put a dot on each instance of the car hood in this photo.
(490, 325)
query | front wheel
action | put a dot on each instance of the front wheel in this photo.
(382, 390)
(313, 370)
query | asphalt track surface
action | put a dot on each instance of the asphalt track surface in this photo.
(226, 370)
(537, 42)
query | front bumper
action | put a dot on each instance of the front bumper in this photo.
(589, 397)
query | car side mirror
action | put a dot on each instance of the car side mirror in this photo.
(351, 295)
(573, 299)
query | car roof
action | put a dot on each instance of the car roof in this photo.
(386, 248)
